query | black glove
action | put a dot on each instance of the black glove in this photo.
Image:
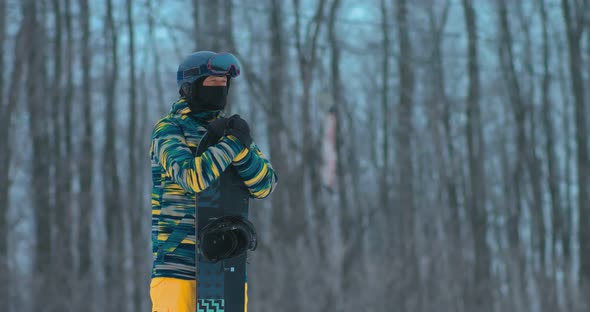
(239, 128)
(216, 128)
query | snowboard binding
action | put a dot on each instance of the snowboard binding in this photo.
(227, 237)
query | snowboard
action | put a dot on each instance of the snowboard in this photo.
(221, 286)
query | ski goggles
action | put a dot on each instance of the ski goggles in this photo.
(221, 64)
(224, 64)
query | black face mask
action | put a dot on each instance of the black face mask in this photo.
(207, 98)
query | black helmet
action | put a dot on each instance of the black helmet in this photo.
(227, 237)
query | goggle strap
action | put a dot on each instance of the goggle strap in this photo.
(191, 72)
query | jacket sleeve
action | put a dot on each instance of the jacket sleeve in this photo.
(193, 174)
(256, 172)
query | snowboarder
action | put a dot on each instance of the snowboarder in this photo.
(179, 174)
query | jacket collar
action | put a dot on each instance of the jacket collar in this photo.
(181, 108)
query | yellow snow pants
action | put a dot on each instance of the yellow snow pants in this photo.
(173, 294)
(177, 295)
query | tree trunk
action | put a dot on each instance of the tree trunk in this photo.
(575, 27)
(282, 227)
(309, 154)
(39, 129)
(349, 225)
(551, 165)
(5, 279)
(409, 276)
(519, 110)
(86, 168)
(154, 48)
(62, 257)
(136, 210)
(196, 26)
(441, 122)
(534, 162)
(210, 29)
(384, 185)
(7, 108)
(114, 213)
(227, 33)
(480, 296)
(568, 201)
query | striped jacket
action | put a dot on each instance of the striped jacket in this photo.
(178, 175)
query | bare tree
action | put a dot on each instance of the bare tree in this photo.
(476, 197)
(282, 227)
(532, 158)
(307, 173)
(136, 210)
(62, 253)
(196, 23)
(2, 43)
(574, 15)
(557, 215)
(114, 272)
(67, 173)
(36, 82)
(154, 48)
(85, 165)
(385, 186)
(405, 220)
(4, 189)
(210, 25)
(346, 223)
(516, 101)
(441, 114)
(307, 59)
(567, 136)
(7, 108)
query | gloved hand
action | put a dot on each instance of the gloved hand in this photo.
(239, 128)
(217, 127)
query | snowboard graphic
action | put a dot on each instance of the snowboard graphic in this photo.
(221, 286)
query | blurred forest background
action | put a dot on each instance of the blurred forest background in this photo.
(454, 178)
